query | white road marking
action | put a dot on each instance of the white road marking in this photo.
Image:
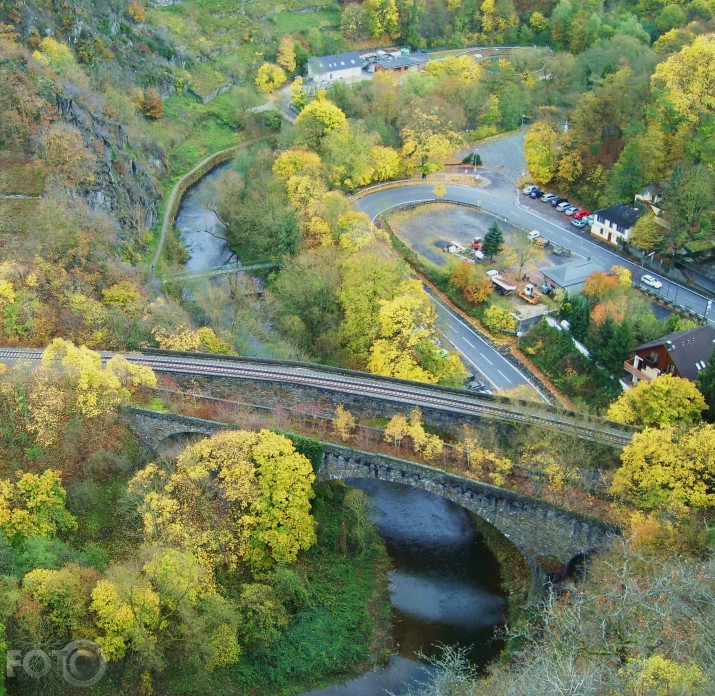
(504, 376)
(486, 358)
(469, 343)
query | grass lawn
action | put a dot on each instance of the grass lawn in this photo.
(292, 22)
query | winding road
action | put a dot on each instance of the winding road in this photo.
(517, 212)
(444, 399)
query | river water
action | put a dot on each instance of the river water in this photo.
(444, 586)
(200, 227)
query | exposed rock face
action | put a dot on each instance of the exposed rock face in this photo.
(123, 187)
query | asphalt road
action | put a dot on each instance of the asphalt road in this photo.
(478, 355)
(512, 208)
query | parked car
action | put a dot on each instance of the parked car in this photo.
(548, 197)
(570, 210)
(581, 213)
(578, 223)
(536, 194)
(558, 201)
(527, 190)
(561, 207)
(651, 281)
(590, 219)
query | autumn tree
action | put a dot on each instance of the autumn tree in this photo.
(34, 505)
(523, 254)
(67, 157)
(600, 285)
(539, 150)
(428, 140)
(499, 320)
(669, 468)
(343, 423)
(256, 511)
(137, 11)
(152, 105)
(687, 77)
(319, 118)
(647, 233)
(269, 77)
(286, 54)
(474, 284)
(666, 401)
(396, 430)
(368, 277)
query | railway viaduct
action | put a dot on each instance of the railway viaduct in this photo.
(539, 531)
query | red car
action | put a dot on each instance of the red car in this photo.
(581, 214)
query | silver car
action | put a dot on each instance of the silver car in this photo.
(651, 282)
(562, 206)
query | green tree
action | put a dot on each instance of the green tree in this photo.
(493, 240)
(647, 233)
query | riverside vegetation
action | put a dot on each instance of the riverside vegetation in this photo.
(102, 110)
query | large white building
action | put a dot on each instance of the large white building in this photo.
(343, 67)
(615, 224)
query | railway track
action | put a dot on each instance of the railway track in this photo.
(344, 381)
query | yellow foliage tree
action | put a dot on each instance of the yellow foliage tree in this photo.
(499, 319)
(286, 54)
(667, 400)
(386, 162)
(296, 161)
(66, 156)
(33, 505)
(396, 430)
(317, 119)
(540, 150)
(659, 676)
(669, 468)
(343, 423)
(93, 390)
(54, 54)
(688, 78)
(234, 497)
(270, 77)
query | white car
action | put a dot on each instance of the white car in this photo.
(651, 281)
(529, 189)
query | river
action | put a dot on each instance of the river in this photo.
(199, 226)
(444, 586)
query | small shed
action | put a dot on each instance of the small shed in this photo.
(570, 276)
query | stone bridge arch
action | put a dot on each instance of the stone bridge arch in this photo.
(537, 529)
(154, 428)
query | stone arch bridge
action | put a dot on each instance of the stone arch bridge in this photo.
(538, 530)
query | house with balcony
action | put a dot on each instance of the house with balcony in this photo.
(682, 354)
(615, 223)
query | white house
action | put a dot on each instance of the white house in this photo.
(343, 67)
(615, 224)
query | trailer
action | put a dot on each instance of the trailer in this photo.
(536, 238)
(502, 286)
